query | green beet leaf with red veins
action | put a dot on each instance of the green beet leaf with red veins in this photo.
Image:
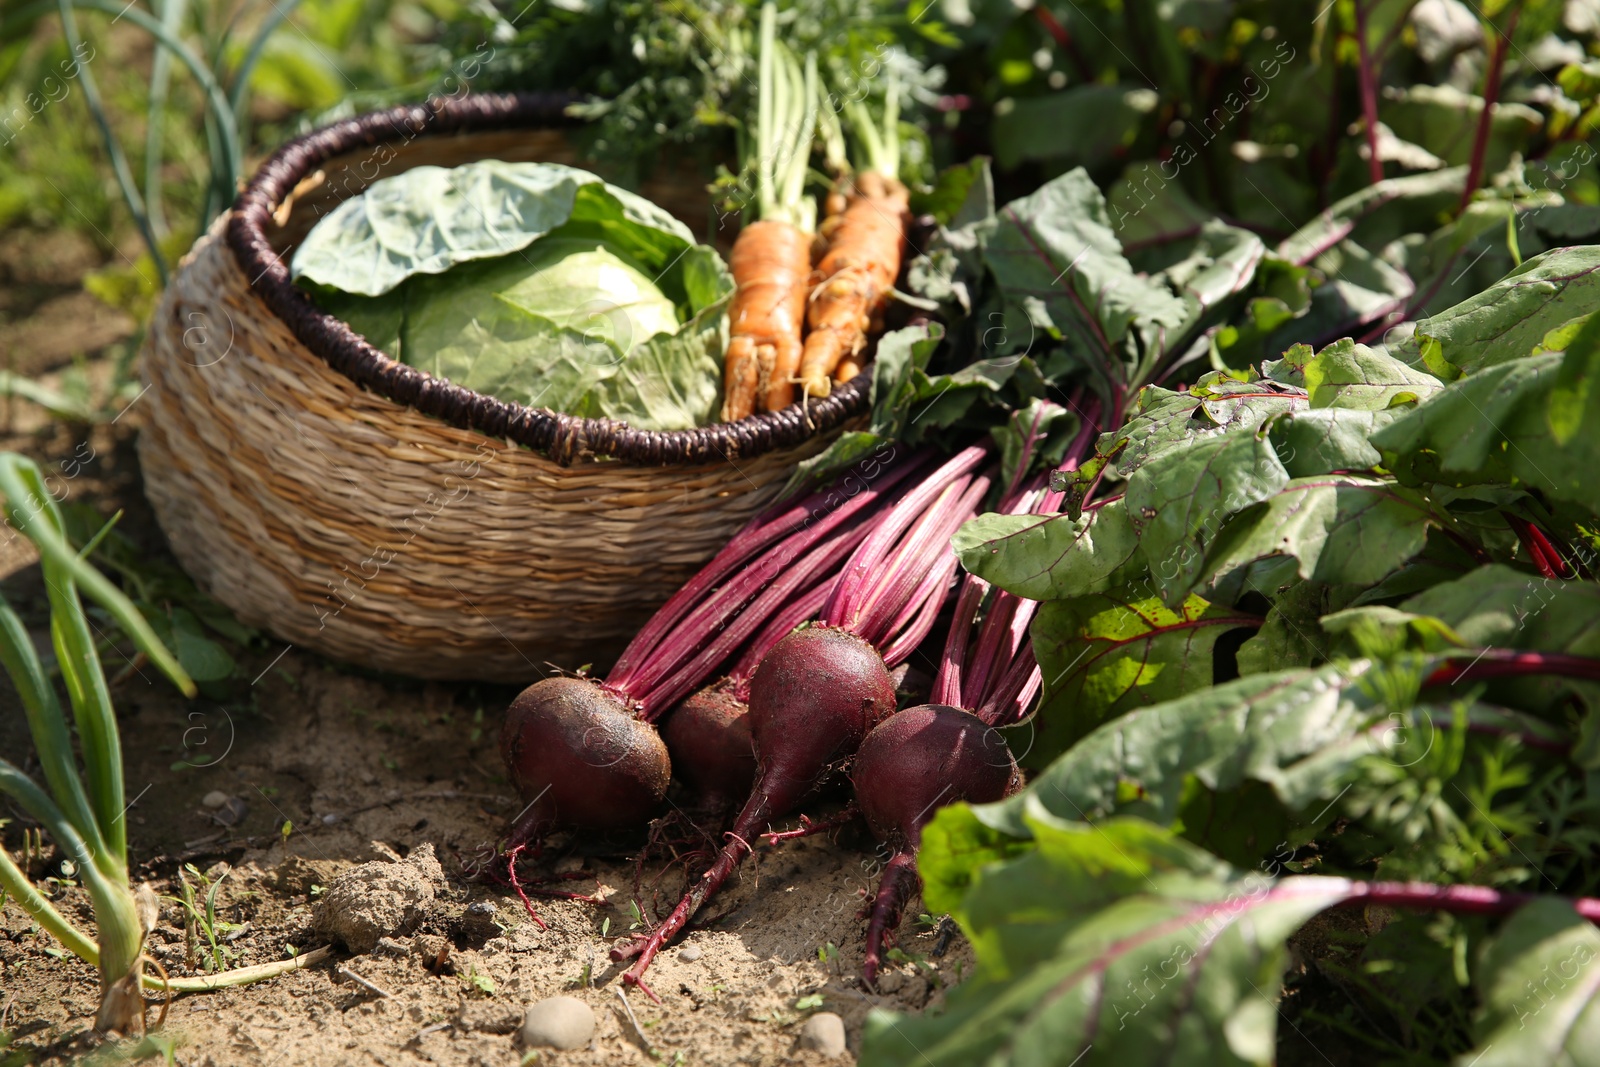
(1319, 631)
(1332, 613)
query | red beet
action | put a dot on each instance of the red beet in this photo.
(579, 757)
(815, 696)
(818, 691)
(590, 758)
(909, 767)
(708, 736)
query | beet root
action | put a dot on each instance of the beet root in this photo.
(579, 758)
(813, 698)
(925, 757)
(708, 737)
(908, 768)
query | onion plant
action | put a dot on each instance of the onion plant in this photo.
(81, 804)
(225, 109)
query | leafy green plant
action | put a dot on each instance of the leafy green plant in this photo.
(478, 984)
(245, 76)
(1396, 543)
(1265, 113)
(666, 80)
(203, 634)
(1313, 603)
(202, 918)
(1094, 941)
(82, 804)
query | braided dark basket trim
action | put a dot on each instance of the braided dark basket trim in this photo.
(561, 437)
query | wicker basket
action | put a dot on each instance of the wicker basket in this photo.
(353, 505)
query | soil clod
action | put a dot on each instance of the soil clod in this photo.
(380, 899)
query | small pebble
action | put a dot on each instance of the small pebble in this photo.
(689, 953)
(231, 813)
(482, 907)
(558, 1022)
(215, 799)
(824, 1033)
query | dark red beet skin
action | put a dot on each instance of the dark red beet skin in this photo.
(708, 737)
(922, 759)
(812, 699)
(579, 758)
(908, 768)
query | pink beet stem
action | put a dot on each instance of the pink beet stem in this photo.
(755, 535)
(987, 660)
(1460, 899)
(822, 559)
(949, 685)
(1020, 621)
(903, 633)
(804, 608)
(896, 590)
(979, 678)
(872, 551)
(1552, 555)
(715, 611)
(1026, 695)
(866, 560)
(898, 883)
(1013, 693)
(895, 585)
(1505, 663)
(855, 582)
(952, 661)
(689, 605)
(911, 633)
(1003, 640)
(726, 602)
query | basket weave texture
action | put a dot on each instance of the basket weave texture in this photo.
(297, 490)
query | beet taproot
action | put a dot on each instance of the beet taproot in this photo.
(910, 766)
(708, 738)
(814, 697)
(578, 757)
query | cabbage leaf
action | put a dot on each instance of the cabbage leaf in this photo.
(535, 283)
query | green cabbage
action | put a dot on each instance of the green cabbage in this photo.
(534, 283)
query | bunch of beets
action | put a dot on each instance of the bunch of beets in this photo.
(805, 614)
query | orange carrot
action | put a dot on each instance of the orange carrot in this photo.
(854, 278)
(771, 259)
(833, 208)
(741, 379)
(771, 266)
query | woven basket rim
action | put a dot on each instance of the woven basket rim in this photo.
(563, 438)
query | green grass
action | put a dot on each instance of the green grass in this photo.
(149, 133)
